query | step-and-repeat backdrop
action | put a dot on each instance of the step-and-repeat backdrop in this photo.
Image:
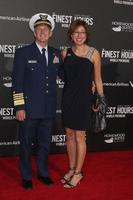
(111, 24)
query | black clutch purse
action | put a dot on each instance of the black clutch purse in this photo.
(97, 121)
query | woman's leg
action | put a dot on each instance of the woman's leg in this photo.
(80, 137)
(71, 151)
(81, 149)
(71, 147)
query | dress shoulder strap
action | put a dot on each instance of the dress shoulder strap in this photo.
(90, 53)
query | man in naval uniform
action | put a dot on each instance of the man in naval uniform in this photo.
(34, 93)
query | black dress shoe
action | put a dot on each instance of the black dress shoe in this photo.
(27, 184)
(46, 180)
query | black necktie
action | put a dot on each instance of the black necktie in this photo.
(44, 56)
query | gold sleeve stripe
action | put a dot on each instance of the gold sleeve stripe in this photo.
(19, 102)
(18, 94)
(17, 98)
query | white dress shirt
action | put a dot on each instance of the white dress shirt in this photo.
(46, 52)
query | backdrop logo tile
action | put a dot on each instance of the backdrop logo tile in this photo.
(59, 83)
(7, 81)
(119, 111)
(59, 140)
(124, 2)
(65, 20)
(7, 113)
(14, 18)
(9, 143)
(114, 138)
(7, 50)
(122, 26)
(122, 56)
(88, 19)
(118, 84)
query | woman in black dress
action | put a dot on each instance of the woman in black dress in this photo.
(81, 63)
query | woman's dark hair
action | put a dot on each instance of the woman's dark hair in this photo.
(74, 25)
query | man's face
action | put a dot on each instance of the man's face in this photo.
(42, 33)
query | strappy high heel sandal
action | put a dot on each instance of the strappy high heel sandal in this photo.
(67, 177)
(73, 183)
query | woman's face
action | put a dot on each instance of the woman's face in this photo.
(79, 35)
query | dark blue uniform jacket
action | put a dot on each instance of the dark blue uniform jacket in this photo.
(34, 85)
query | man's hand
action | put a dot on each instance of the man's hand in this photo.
(20, 115)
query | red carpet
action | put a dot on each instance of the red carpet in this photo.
(107, 176)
